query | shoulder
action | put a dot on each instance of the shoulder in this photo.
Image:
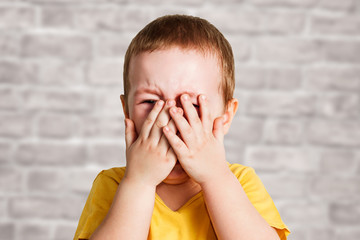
(109, 178)
(116, 174)
(241, 171)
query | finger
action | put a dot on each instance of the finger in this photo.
(205, 114)
(182, 125)
(175, 142)
(130, 132)
(162, 120)
(163, 143)
(190, 112)
(149, 121)
(218, 130)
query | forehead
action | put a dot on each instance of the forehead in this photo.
(174, 70)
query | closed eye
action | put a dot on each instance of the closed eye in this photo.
(149, 101)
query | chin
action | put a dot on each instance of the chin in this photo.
(177, 175)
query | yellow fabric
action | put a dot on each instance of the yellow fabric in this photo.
(191, 221)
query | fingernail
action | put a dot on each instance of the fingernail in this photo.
(174, 110)
(170, 102)
(166, 128)
(160, 102)
(203, 97)
(185, 97)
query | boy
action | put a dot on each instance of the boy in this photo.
(178, 104)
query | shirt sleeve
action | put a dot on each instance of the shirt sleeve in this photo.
(97, 205)
(262, 201)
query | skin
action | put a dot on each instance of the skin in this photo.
(174, 147)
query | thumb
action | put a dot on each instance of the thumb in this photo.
(218, 130)
(130, 133)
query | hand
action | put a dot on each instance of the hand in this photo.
(149, 156)
(201, 150)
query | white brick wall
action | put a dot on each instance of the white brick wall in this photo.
(298, 124)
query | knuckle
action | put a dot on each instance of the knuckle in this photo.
(160, 123)
(188, 131)
(148, 121)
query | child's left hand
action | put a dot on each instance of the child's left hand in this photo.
(201, 152)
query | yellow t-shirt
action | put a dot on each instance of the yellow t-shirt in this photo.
(191, 221)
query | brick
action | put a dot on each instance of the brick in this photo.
(6, 151)
(58, 101)
(241, 48)
(99, 18)
(45, 180)
(334, 188)
(74, 47)
(245, 130)
(65, 231)
(299, 233)
(51, 154)
(14, 125)
(334, 5)
(349, 234)
(3, 209)
(7, 231)
(108, 102)
(107, 154)
(17, 17)
(80, 181)
(334, 78)
(339, 105)
(287, 50)
(323, 233)
(10, 99)
(338, 161)
(57, 17)
(106, 72)
(35, 208)
(72, 207)
(104, 126)
(280, 104)
(349, 25)
(250, 77)
(333, 132)
(284, 79)
(285, 186)
(134, 19)
(47, 72)
(10, 179)
(345, 213)
(306, 214)
(108, 44)
(58, 125)
(283, 131)
(341, 51)
(272, 78)
(13, 72)
(281, 159)
(284, 3)
(264, 22)
(9, 44)
(32, 231)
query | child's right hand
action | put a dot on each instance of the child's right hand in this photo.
(149, 156)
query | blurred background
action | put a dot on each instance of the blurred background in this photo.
(298, 124)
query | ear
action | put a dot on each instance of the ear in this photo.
(123, 102)
(230, 111)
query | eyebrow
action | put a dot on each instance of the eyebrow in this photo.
(154, 91)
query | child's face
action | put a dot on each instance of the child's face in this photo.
(167, 74)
